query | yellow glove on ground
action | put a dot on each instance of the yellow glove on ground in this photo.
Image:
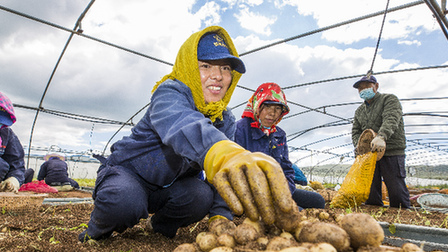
(248, 182)
(378, 144)
(10, 184)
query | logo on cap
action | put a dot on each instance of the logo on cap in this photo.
(219, 41)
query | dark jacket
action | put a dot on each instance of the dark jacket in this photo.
(12, 163)
(274, 145)
(172, 138)
(54, 170)
(384, 116)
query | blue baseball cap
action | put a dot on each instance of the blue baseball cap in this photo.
(213, 47)
(370, 79)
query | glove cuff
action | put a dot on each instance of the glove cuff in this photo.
(218, 154)
(216, 217)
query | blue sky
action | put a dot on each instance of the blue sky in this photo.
(98, 80)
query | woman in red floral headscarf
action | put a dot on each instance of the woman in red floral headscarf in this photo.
(257, 131)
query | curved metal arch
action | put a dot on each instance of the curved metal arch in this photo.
(77, 28)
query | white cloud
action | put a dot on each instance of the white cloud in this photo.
(99, 80)
(399, 24)
(209, 13)
(255, 22)
(409, 42)
(144, 25)
(252, 2)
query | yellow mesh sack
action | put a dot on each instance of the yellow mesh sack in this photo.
(355, 188)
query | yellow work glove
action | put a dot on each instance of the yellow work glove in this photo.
(10, 184)
(378, 144)
(248, 182)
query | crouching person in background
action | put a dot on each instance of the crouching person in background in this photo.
(55, 173)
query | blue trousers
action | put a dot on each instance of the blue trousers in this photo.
(121, 199)
(74, 184)
(308, 199)
(29, 173)
(391, 169)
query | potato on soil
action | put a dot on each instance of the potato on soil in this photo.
(186, 247)
(338, 218)
(314, 211)
(313, 219)
(322, 247)
(226, 240)
(295, 249)
(278, 243)
(222, 226)
(200, 235)
(206, 241)
(258, 225)
(245, 233)
(300, 227)
(325, 232)
(263, 241)
(410, 247)
(324, 215)
(382, 248)
(363, 230)
(376, 249)
(287, 235)
(273, 230)
(222, 249)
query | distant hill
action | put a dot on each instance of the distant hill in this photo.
(337, 170)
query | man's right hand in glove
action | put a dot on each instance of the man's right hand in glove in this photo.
(378, 144)
(10, 184)
(248, 182)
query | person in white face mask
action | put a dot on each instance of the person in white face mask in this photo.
(383, 114)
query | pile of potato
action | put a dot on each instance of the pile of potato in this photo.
(354, 232)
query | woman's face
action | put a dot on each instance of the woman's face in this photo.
(269, 114)
(216, 77)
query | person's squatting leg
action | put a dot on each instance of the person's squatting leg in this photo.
(29, 174)
(308, 199)
(185, 202)
(120, 202)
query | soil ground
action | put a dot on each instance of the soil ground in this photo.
(56, 227)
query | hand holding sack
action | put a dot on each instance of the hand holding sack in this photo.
(355, 188)
(378, 144)
(248, 182)
(10, 184)
(369, 141)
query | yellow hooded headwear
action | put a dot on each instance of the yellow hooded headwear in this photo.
(186, 70)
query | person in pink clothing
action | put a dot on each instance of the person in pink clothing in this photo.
(12, 164)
